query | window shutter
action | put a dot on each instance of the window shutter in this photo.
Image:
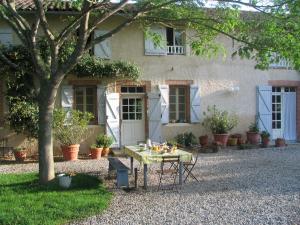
(103, 49)
(151, 48)
(195, 103)
(67, 94)
(6, 37)
(154, 117)
(113, 118)
(264, 108)
(101, 104)
(164, 98)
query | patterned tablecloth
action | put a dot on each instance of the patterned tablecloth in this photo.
(149, 156)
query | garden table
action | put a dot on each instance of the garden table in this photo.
(147, 157)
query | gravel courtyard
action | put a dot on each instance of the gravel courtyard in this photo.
(236, 187)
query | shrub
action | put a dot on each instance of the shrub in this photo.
(218, 121)
(186, 139)
(265, 134)
(70, 127)
(103, 140)
(254, 127)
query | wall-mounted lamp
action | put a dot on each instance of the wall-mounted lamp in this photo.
(234, 89)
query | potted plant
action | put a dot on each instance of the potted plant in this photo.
(106, 142)
(20, 154)
(203, 140)
(280, 142)
(253, 134)
(239, 138)
(265, 138)
(232, 141)
(96, 149)
(219, 123)
(186, 139)
(65, 179)
(70, 130)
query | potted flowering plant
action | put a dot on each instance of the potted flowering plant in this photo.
(253, 134)
(219, 123)
(20, 154)
(70, 130)
(265, 138)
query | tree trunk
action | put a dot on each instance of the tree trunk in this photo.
(45, 141)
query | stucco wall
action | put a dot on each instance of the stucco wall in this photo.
(215, 77)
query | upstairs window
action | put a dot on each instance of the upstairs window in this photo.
(86, 100)
(175, 41)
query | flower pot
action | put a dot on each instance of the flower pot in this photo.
(70, 152)
(265, 142)
(280, 142)
(253, 138)
(239, 138)
(20, 156)
(221, 138)
(232, 141)
(64, 181)
(203, 140)
(105, 152)
(96, 153)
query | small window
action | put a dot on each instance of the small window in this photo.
(175, 41)
(86, 100)
(132, 89)
(178, 104)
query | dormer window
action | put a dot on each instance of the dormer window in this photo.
(175, 41)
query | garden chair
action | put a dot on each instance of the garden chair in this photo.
(170, 173)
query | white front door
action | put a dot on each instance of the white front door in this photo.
(284, 113)
(133, 119)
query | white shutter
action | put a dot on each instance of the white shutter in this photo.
(103, 49)
(113, 118)
(264, 108)
(153, 49)
(6, 37)
(195, 103)
(67, 93)
(101, 104)
(164, 98)
(154, 114)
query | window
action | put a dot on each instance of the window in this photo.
(175, 42)
(132, 89)
(86, 100)
(178, 103)
(132, 109)
(5, 37)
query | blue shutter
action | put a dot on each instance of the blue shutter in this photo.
(195, 104)
(101, 104)
(264, 108)
(154, 114)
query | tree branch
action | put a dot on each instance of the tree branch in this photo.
(7, 61)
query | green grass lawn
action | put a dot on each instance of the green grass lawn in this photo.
(24, 201)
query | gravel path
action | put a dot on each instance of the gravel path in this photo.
(236, 187)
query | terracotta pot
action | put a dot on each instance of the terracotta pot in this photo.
(20, 156)
(253, 138)
(240, 141)
(70, 152)
(105, 152)
(96, 153)
(265, 142)
(232, 141)
(221, 138)
(280, 142)
(203, 140)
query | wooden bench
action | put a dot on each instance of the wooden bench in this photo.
(122, 171)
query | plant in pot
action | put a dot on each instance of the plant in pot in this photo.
(203, 140)
(219, 123)
(65, 179)
(69, 130)
(106, 142)
(186, 139)
(280, 142)
(20, 154)
(96, 149)
(253, 134)
(265, 138)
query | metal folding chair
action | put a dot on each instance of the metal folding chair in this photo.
(170, 173)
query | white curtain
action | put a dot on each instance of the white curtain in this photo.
(289, 122)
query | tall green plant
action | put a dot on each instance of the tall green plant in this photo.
(70, 127)
(219, 121)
